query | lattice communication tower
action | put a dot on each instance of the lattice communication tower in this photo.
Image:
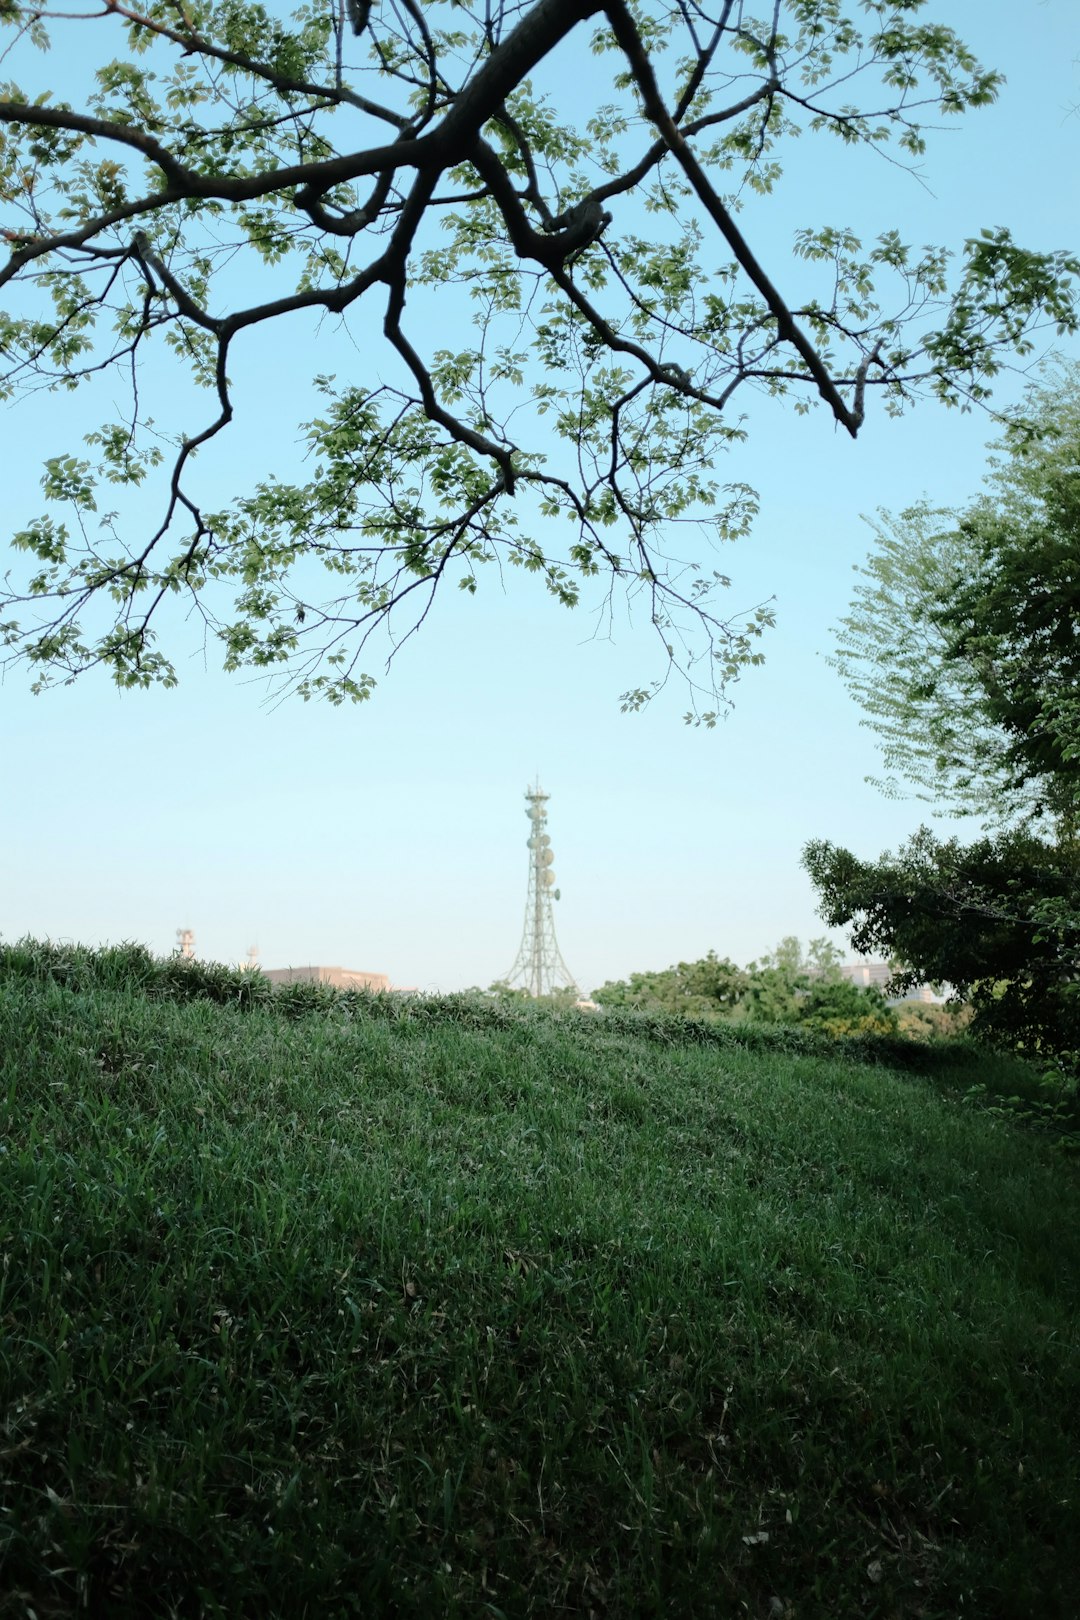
(539, 967)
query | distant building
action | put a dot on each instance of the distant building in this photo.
(869, 974)
(338, 978)
(866, 973)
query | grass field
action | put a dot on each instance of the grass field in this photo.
(319, 1305)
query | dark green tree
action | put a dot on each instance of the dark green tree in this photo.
(709, 988)
(961, 645)
(963, 649)
(771, 990)
(1013, 619)
(842, 1008)
(998, 920)
(778, 982)
(601, 309)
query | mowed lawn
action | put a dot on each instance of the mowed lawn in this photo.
(319, 1306)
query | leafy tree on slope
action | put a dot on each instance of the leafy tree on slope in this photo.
(961, 643)
(998, 919)
(983, 604)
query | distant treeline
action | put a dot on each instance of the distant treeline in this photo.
(790, 985)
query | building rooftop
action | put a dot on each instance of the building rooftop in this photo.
(338, 978)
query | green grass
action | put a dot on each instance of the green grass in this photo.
(329, 1305)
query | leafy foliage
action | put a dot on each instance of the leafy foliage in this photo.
(1013, 620)
(222, 173)
(786, 987)
(848, 1009)
(960, 645)
(778, 982)
(963, 649)
(560, 997)
(933, 1021)
(998, 919)
(709, 988)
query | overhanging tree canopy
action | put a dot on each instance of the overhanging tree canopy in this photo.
(571, 172)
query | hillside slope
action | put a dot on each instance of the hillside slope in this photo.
(328, 1306)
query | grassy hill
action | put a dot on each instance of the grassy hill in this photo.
(314, 1304)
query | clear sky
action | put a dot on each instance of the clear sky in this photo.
(391, 836)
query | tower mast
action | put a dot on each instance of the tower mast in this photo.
(539, 967)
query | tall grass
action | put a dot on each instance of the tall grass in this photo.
(317, 1304)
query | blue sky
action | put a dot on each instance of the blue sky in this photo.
(391, 836)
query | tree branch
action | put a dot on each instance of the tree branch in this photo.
(626, 32)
